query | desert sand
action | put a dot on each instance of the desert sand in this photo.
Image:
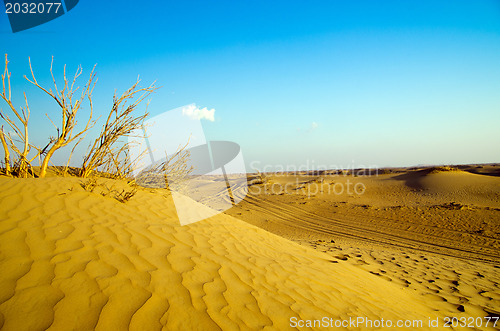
(416, 245)
(434, 230)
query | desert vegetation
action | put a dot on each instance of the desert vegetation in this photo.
(438, 169)
(122, 195)
(176, 167)
(108, 152)
(21, 164)
(107, 155)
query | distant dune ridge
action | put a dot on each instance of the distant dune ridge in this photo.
(75, 260)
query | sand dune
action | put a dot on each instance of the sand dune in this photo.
(434, 231)
(78, 260)
(461, 186)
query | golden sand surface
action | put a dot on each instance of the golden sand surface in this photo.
(435, 232)
(413, 246)
(77, 260)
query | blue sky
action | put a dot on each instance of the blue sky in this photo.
(319, 83)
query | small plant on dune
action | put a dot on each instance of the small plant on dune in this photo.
(118, 164)
(123, 196)
(177, 169)
(89, 185)
(107, 150)
(171, 173)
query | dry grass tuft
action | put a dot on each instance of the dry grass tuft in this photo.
(89, 185)
(122, 195)
(171, 173)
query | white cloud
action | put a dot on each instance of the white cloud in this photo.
(195, 113)
(314, 125)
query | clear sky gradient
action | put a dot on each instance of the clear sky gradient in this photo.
(335, 83)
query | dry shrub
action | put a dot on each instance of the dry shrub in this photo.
(5, 164)
(108, 153)
(171, 173)
(21, 166)
(68, 102)
(122, 195)
(89, 185)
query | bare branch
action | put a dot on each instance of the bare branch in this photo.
(21, 164)
(121, 121)
(69, 109)
(6, 151)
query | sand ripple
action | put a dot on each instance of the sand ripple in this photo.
(75, 260)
